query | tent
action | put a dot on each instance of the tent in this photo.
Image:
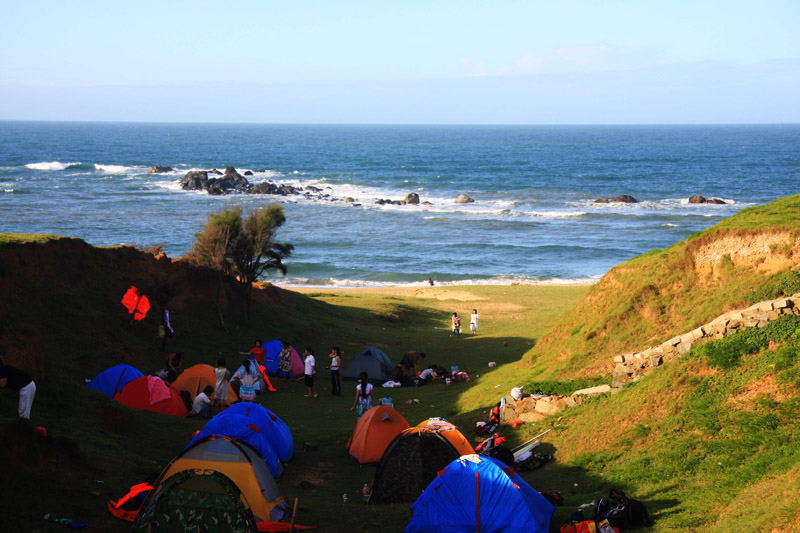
(273, 358)
(191, 500)
(153, 394)
(111, 380)
(196, 378)
(409, 464)
(272, 427)
(372, 361)
(478, 493)
(450, 432)
(374, 431)
(239, 462)
(241, 428)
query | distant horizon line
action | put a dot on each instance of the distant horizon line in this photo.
(438, 124)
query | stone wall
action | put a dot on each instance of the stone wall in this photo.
(632, 366)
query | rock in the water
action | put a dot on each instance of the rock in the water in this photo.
(215, 172)
(601, 201)
(697, 199)
(248, 173)
(195, 180)
(159, 169)
(716, 201)
(625, 199)
(349, 199)
(464, 199)
(412, 198)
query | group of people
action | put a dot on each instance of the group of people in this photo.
(455, 323)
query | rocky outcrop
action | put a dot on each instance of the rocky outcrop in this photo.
(232, 182)
(412, 198)
(632, 366)
(464, 199)
(697, 199)
(622, 198)
(159, 169)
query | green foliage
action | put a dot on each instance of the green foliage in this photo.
(565, 387)
(784, 284)
(727, 353)
(242, 248)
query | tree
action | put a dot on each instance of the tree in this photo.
(242, 249)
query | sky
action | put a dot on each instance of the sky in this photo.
(410, 62)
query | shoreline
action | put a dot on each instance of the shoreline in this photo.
(406, 290)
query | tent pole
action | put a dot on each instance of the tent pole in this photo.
(534, 438)
(294, 515)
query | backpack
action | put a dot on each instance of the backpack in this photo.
(621, 512)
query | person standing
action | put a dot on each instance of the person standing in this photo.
(336, 363)
(222, 374)
(285, 364)
(363, 401)
(20, 382)
(258, 353)
(248, 377)
(409, 363)
(473, 321)
(310, 363)
(455, 323)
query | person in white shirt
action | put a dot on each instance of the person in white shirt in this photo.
(310, 362)
(202, 402)
(473, 322)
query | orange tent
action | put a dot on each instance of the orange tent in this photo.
(450, 432)
(196, 378)
(153, 394)
(374, 431)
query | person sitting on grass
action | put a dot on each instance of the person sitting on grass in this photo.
(202, 403)
(427, 375)
(363, 401)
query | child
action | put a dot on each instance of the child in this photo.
(310, 362)
(456, 324)
(222, 374)
(202, 402)
(285, 365)
(473, 321)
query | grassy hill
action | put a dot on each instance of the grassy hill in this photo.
(708, 442)
(744, 259)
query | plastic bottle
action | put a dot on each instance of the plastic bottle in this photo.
(344, 498)
(454, 368)
(365, 491)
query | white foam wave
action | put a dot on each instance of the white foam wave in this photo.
(115, 169)
(669, 225)
(8, 190)
(52, 165)
(335, 283)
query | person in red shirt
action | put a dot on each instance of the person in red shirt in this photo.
(258, 353)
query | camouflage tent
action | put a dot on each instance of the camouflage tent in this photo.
(196, 501)
(409, 464)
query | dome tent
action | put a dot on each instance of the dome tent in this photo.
(241, 428)
(273, 358)
(478, 493)
(373, 433)
(374, 362)
(196, 378)
(111, 380)
(409, 464)
(269, 425)
(153, 394)
(237, 461)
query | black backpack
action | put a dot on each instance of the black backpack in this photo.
(621, 511)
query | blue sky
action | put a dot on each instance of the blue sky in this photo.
(421, 62)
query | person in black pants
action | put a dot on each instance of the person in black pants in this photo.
(336, 363)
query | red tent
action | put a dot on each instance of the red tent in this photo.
(153, 394)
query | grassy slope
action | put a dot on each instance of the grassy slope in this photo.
(657, 295)
(61, 319)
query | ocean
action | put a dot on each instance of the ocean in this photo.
(534, 219)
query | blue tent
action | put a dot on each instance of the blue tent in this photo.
(242, 428)
(269, 425)
(273, 357)
(111, 380)
(374, 362)
(479, 493)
